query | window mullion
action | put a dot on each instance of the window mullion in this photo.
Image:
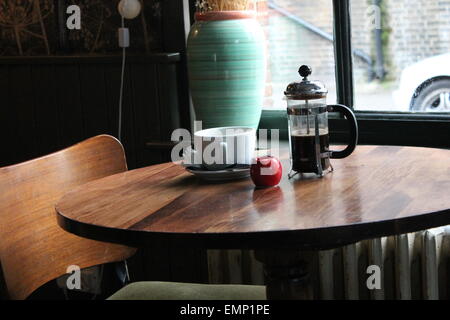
(343, 52)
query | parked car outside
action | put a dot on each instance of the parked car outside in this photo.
(425, 86)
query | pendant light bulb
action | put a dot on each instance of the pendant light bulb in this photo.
(129, 9)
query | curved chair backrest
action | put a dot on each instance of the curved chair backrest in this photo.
(33, 248)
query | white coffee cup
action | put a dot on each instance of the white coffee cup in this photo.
(220, 148)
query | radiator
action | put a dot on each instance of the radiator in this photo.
(413, 266)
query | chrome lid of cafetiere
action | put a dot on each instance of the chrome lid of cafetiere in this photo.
(305, 89)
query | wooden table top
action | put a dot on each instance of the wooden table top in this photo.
(377, 191)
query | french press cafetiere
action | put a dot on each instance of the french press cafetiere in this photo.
(308, 126)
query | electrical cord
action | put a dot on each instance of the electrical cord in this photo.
(119, 133)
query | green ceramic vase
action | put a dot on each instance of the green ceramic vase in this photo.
(226, 65)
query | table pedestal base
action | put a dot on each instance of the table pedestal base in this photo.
(287, 274)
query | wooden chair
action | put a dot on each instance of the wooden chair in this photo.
(35, 250)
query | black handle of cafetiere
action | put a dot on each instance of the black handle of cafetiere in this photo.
(353, 125)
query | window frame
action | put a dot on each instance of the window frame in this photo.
(387, 128)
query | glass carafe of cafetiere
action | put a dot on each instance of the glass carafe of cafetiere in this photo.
(307, 114)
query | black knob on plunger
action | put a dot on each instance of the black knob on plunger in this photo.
(305, 71)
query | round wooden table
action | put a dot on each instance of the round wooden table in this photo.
(377, 191)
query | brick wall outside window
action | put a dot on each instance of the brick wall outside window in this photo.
(414, 30)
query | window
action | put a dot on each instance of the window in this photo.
(297, 32)
(383, 74)
(400, 51)
(401, 55)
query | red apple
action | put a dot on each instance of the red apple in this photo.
(266, 171)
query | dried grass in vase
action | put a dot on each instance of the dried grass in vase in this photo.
(221, 5)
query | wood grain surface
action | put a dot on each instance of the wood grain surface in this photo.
(377, 191)
(33, 248)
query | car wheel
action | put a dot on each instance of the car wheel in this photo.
(432, 96)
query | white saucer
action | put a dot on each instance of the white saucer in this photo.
(220, 175)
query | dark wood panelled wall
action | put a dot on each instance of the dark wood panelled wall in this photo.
(51, 103)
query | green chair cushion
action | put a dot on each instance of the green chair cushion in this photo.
(154, 290)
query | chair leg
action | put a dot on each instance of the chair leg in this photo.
(122, 272)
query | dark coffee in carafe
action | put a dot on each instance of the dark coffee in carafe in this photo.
(303, 149)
